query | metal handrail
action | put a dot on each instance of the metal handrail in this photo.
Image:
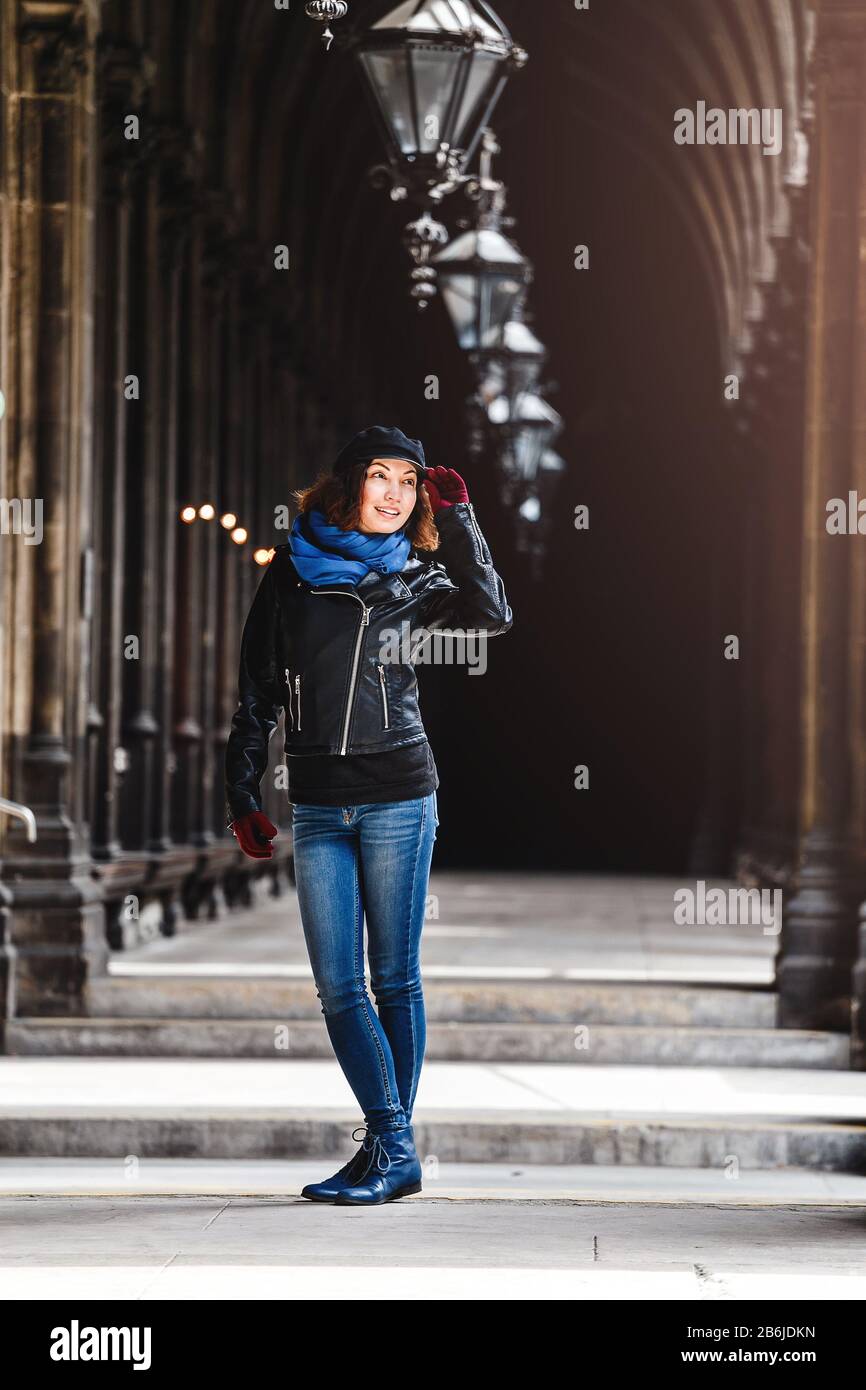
(24, 813)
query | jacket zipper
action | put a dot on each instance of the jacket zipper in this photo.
(481, 559)
(381, 670)
(365, 618)
(298, 694)
(291, 711)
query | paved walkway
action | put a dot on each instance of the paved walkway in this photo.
(499, 925)
(287, 1248)
(453, 1182)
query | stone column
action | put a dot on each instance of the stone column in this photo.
(227, 635)
(120, 90)
(52, 920)
(781, 657)
(188, 734)
(216, 269)
(845, 73)
(146, 514)
(814, 965)
(176, 203)
(770, 513)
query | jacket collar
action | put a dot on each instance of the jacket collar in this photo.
(375, 588)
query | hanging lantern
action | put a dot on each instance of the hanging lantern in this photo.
(551, 469)
(526, 427)
(535, 511)
(435, 70)
(514, 365)
(480, 275)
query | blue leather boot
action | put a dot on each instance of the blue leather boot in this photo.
(327, 1191)
(393, 1170)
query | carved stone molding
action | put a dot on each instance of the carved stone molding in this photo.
(125, 74)
(122, 83)
(57, 35)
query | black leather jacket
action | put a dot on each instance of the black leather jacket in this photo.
(317, 651)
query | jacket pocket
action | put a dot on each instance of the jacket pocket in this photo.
(298, 699)
(384, 693)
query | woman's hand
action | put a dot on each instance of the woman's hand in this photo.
(254, 834)
(444, 487)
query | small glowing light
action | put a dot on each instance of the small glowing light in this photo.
(206, 511)
(239, 535)
(188, 514)
(262, 556)
(228, 520)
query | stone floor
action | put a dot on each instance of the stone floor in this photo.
(283, 1247)
(534, 926)
(133, 1227)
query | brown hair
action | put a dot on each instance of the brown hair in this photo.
(339, 498)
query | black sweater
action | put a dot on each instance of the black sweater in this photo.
(332, 779)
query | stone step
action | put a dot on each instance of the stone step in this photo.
(727, 1118)
(482, 1136)
(650, 1045)
(515, 998)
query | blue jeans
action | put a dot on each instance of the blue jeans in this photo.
(373, 860)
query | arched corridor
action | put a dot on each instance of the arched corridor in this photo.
(152, 356)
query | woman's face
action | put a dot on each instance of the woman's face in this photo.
(388, 496)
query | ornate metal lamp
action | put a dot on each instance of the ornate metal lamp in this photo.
(482, 273)
(526, 426)
(435, 70)
(535, 512)
(513, 365)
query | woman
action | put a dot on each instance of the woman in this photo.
(331, 637)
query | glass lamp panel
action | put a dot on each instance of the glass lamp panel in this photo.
(482, 75)
(435, 72)
(459, 293)
(388, 75)
(437, 16)
(519, 338)
(527, 450)
(497, 294)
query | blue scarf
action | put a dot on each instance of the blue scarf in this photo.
(325, 554)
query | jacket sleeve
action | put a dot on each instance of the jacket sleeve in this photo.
(260, 700)
(475, 596)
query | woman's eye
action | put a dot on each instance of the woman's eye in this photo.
(410, 482)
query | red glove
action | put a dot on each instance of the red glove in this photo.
(444, 487)
(254, 834)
